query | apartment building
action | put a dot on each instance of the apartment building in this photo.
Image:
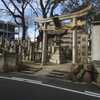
(7, 30)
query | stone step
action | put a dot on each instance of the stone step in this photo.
(97, 65)
(27, 72)
(33, 69)
(96, 62)
(55, 76)
(60, 71)
(57, 73)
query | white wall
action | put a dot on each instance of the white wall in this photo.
(96, 43)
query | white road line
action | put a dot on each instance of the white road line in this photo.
(87, 93)
(93, 93)
(26, 80)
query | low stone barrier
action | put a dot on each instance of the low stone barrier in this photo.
(97, 67)
(1, 62)
(8, 62)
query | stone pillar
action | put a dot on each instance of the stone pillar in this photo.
(74, 45)
(44, 47)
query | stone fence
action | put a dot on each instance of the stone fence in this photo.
(14, 52)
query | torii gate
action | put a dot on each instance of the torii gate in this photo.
(73, 16)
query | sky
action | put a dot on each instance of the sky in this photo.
(31, 32)
(7, 18)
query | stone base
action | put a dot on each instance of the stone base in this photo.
(55, 59)
(8, 62)
(97, 68)
(98, 79)
(96, 65)
(58, 57)
(1, 62)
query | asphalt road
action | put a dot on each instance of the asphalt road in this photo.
(12, 88)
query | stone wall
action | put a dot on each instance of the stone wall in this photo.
(96, 43)
(8, 62)
(1, 62)
(95, 53)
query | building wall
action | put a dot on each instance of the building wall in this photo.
(96, 42)
(7, 29)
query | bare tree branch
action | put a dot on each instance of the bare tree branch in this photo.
(15, 6)
(18, 13)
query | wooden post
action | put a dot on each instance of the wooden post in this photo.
(44, 47)
(74, 45)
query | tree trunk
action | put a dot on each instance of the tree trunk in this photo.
(24, 29)
(23, 24)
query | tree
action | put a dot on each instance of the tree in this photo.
(96, 4)
(16, 8)
(73, 5)
(43, 8)
(46, 7)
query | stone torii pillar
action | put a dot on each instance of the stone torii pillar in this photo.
(74, 43)
(44, 46)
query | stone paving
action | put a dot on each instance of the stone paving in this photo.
(46, 69)
(49, 68)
